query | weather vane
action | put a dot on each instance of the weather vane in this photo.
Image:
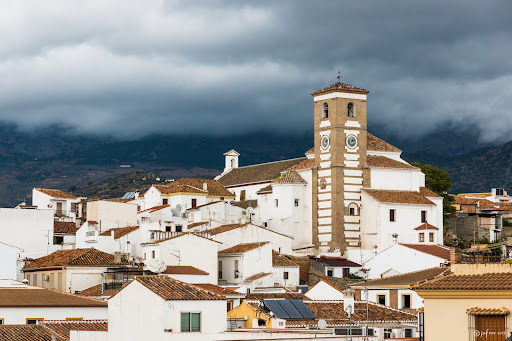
(339, 76)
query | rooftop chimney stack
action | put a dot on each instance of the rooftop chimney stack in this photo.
(455, 255)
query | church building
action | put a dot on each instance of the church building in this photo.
(352, 191)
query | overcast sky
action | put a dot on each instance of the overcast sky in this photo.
(129, 68)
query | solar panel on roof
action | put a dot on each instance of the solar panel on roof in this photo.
(303, 309)
(128, 195)
(276, 309)
(290, 309)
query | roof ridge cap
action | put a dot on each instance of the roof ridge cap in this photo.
(266, 163)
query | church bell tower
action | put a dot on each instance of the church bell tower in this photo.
(341, 171)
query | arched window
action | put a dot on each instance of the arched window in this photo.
(353, 209)
(232, 163)
(325, 110)
(351, 110)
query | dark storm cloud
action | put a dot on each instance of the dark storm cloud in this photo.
(131, 68)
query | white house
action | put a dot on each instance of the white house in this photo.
(233, 298)
(154, 307)
(186, 248)
(61, 203)
(333, 266)
(217, 213)
(123, 239)
(64, 234)
(285, 271)
(394, 291)
(70, 270)
(9, 256)
(401, 258)
(324, 291)
(112, 214)
(26, 304)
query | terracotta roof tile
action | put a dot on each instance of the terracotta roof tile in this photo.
(428, 193)
(376, 144)
(481, 203)
(208, 204)
(263, 172)
(119, 231)
(335, 261)
(224, 228)
(242, 248)
(183, 270)
(434, 250)
(306, 164)
(426, 226)
(290, 177)
(257, 276)
(96, 291)
(154, 208)
(42, 297)
(201, 234)
(56, 193)
(31, 332)
(338, 86)
(172, 290)
(217, 289)
(398, 197)
(64, 328)
(406, 279)
(379, 161)
(265, 190)
(79, 257)
(64, 227)
(246, 203)
(339, 283)
(487, 311)
(487, 281)
(189, 226)
(195, 185)
(284, 295)
(279, 260)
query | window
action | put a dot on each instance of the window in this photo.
(296, 203)
(351, 110)
(144, 256)
(165, 201)
(179, 228)
(232, 163)
(59, 281)
(285, 275)
(423, 216)
(351, 211)
(387, 333)
(487, 327)
(265, 224)
(346, 272)
(220, 270)
(28, 279)
(325, 110)
(242, 195)
(230, 305)
(237, 273)
(330, 272)
(262, 323)
(408, 332)
(34, 320)
(194, 202)
(52, 281)
(276, 201)
(392, 215)
(190, 322)
(34, 279)
(58, 240)
(499, 191)
(381, 299)
(422, 237)
(1, 322)
(168, 229)
(153, 253)
(431, 237)
(406, 301)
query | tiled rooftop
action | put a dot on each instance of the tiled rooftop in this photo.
(172, 290)
(64, 227)
(64, 328)
(95, 291)
(339, 86)
(30, 332)
(428, 193)
(195, 185)
(378, 161)
(290, 177)
(39, 297)
(56, 193)
(217, 289)
(279, 260)
(183, 270)
(440, 251)
(405, 279)
(426, 226)
(120, 231)
(487, 281)
(398, 196)
(242, 248)
(77, 257)
(256, 276)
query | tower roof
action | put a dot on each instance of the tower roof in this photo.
(340, 87)
(232, 152)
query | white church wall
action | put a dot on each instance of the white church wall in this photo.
(396, 179)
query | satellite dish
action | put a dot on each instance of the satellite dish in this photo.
(155, 266)
(322, 324)
(178, 207)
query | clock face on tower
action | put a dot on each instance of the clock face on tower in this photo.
(351, 141)
(325, 142)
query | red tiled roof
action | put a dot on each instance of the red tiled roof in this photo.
(96, 291)
(189, 226)
(63, 328)
(242, 248)
(378, 161)
(78, 257)
(335, 261)
(376, 144)
(398, 196)
(285, 295)
(257, 276)
(208, 204)
(217, 289)
(200, 234)
(183, 270)
(119, 231)
(486, 281)
(64, 227)
(434, 250)
(224, 228)
(406, 279)
(56, 193)
(195, 185)
(42, 297)
(338, 86)
(172, 290)
(487, 311)
(428, 193)
(279, 260)
(290, 177)
(265, 190)
(154, 208)
(246, 203)
(29, 332)
(306, 164)
(426, 226)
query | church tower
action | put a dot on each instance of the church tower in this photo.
(341, 171)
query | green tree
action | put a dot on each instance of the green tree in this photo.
(438, 181)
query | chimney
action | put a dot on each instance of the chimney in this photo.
(455, 255)
(117, 257)
(205, 186)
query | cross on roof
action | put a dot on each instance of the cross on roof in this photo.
(339, 76)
